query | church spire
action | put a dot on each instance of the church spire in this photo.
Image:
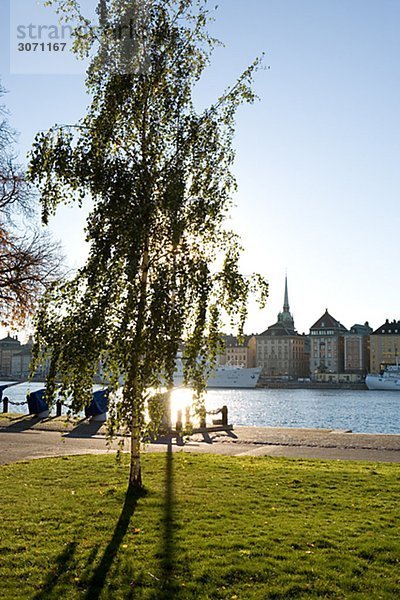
(286, 299)
(285, 318)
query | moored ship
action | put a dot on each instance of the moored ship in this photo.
(234, 377)
(389, 380)
(224, 376)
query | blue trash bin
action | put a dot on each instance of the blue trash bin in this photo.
(97, 409)
(37, 404)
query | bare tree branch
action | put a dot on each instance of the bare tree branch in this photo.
(29, 262)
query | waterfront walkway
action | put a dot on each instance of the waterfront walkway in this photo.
(25, 438)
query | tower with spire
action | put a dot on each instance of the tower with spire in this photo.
(281, 351)
(285, 317)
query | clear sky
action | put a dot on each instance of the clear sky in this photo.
(317, 157)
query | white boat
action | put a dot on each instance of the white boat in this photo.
(224, 376)
(234, 377)
(389, 380)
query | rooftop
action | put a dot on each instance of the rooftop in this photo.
(328, 322)
(388, 328)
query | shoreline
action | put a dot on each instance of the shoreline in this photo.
(25, 438)
(65, 424)
(287, 385)
(309, 385)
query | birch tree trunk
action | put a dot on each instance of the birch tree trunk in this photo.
(135, 474)
(134, 387)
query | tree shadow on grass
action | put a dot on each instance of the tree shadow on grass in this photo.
(97, 582)
(168, 584)
(62, 564)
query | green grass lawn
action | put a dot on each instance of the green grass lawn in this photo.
(208, 527)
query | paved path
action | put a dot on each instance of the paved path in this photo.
(25, 438)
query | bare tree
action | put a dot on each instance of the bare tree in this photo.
(15, 193)
(30, 261)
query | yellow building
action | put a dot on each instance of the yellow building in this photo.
(282, 354)
(281, 351)
(384, 346)
(244, 355)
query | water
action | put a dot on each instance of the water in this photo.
(362, 411)
(17, 393)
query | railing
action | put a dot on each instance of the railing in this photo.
(7, 403)
(222, 423)
(37, 405)
(217, 424)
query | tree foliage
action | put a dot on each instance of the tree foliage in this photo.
(162, 267)
(29, 260)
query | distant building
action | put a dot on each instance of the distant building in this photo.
(241, 355)
(9, 346)
(345, 378)
(281, 351)
(228, 340)
(384, 346)
(21, 361)
(357, 349)
(327, 346)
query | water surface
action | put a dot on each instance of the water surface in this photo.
(362, 411)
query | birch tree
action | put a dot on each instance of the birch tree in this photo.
(163, 266)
